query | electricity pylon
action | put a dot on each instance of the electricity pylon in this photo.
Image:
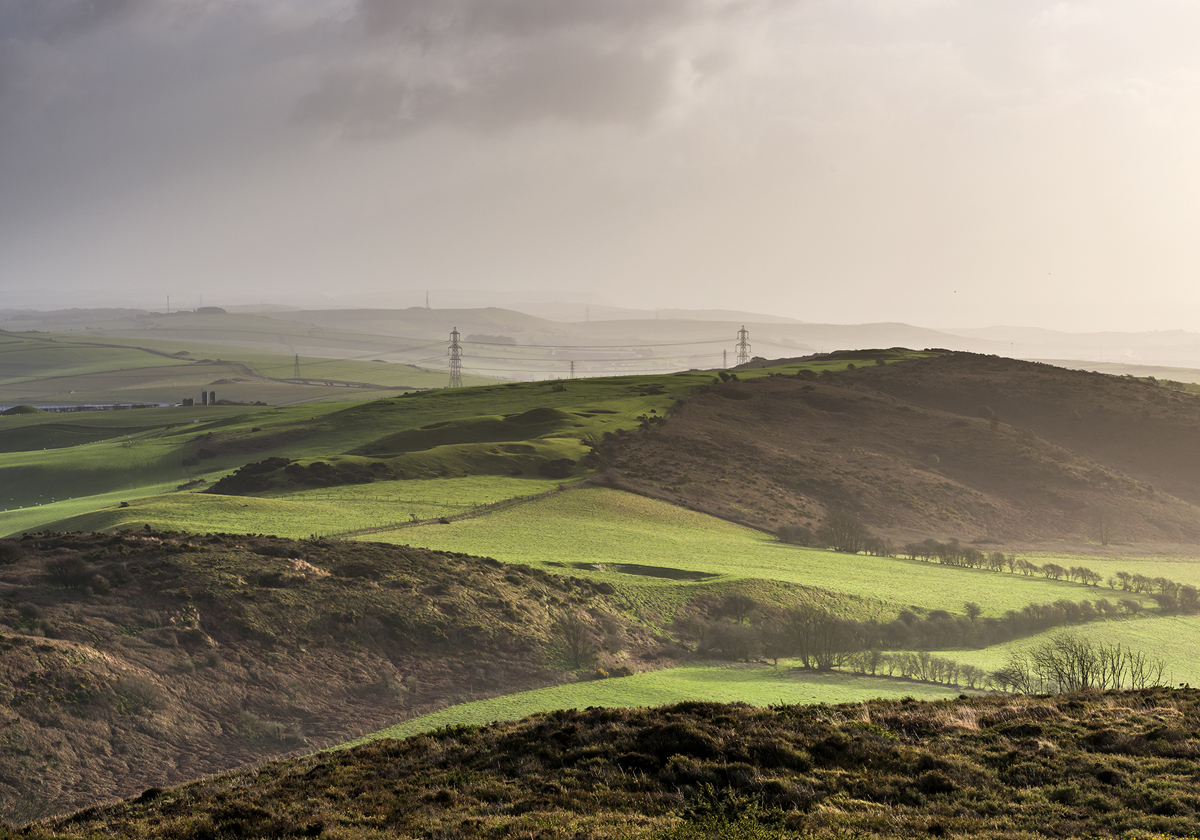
(455, 352)
(743, 346)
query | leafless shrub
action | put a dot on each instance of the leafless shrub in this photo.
(1073, 663)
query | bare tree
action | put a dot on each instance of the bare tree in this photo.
(820, 640)
(1103, 522)
(576, 639)
(1072, 663)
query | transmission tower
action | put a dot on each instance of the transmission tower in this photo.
(296, 368)
(572, 370)
(743, 346)
(455, 352)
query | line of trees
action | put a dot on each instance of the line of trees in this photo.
(821, 641)
(742, 629)
(846, 533)
(1064, 663)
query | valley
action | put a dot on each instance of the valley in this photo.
(189, 589)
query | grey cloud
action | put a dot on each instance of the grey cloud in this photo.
(549, 81)
(53, 20)
(433, 19)
(492, 64)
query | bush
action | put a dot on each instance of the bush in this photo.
(73, 572)
(263, 731)
(136, 694)
(10, 552)
(843, 532)
(795, 534)
(558, 468)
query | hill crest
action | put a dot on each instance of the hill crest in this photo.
(956, 445)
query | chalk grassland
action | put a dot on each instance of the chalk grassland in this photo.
(594, 530)
(34, 516)
(758, 685)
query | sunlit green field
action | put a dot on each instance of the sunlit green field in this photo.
(305, 513)
(1177, 568)
(593, 531)
(138, 460)
(463, 450)
(32, 517)
(446, 433)
(759, 685)
(1173, 639)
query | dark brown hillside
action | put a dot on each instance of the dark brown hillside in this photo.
(128, 661)
(1102, 764)
(1146, 431)
(785, 450)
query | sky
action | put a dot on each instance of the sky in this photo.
(937, 162)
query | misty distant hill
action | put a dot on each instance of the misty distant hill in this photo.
(661, 340)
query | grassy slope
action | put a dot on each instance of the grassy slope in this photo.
(464, 442)
(136, 461)
(602, 527)
(303, 513)
(759, 685)
(787, 450)
(72, 369)
(1173, 639)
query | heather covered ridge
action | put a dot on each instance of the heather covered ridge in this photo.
(1114, 764)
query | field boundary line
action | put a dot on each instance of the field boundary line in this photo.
(475, 512)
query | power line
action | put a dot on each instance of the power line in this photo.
(596, 346)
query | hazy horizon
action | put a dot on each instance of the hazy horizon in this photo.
(927, 162)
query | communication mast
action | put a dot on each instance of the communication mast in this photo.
(743, 346)
(455, 352)
(296, 368)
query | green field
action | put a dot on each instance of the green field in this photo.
(471, 455)
(1182, 569)
(499, 431)
(304, 513)
(594, 531)
(1173, 639)
(103, 370)
(759, 685)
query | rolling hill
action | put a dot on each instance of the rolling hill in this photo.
(152, 659)
(156, 654)
(953, 445)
